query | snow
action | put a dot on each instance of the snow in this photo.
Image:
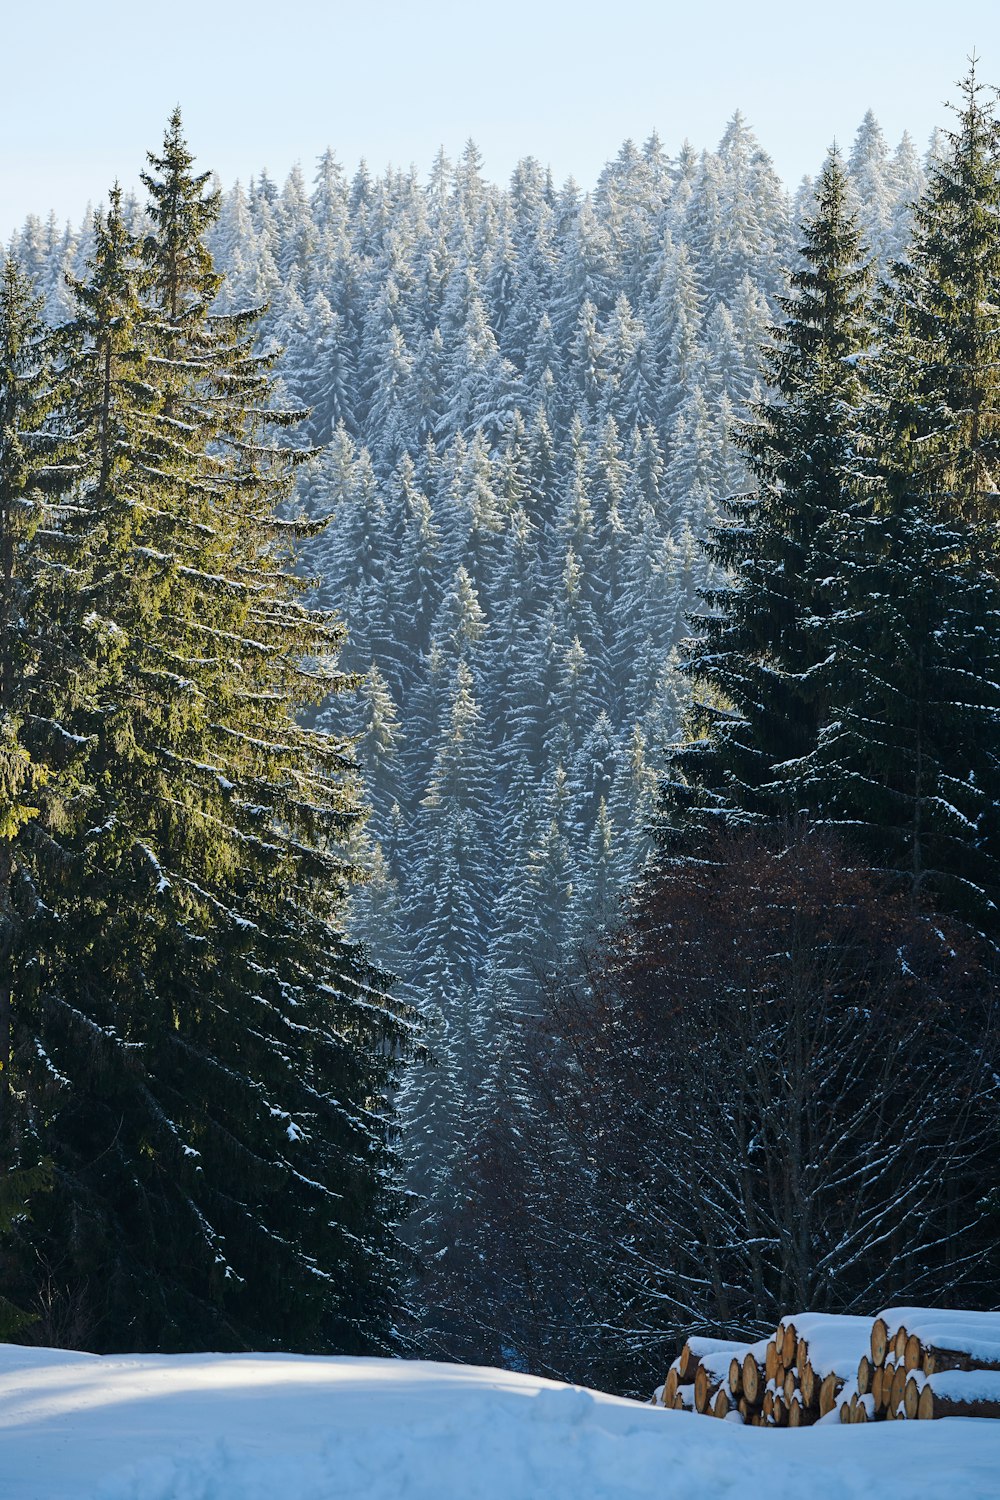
(256, 1427)
(836, 1342)
(716, 1355)
(966, 1385)
(704, 1348)
(975, 1333)
(913, 1319)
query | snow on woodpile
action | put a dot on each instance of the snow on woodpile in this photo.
(829, 1367)
(915, 1351)
(791, 1379)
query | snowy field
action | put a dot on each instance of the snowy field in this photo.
(279, 1427)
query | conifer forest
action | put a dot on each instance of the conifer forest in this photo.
(499, 753)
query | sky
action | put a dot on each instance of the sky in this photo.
(88, 87)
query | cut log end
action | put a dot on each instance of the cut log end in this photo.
(789, 1346)
(879, 1342)
(829, 1392)
(752, 1384)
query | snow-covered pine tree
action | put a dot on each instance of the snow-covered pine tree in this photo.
(755, 658)
(910, 747)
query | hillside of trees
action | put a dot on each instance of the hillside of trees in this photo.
(527, 399)
(455, 471)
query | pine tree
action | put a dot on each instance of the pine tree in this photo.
(40, 762)
(910, 748)
(753, 660)
(870, 172)
(220, 1151)
(940, 325)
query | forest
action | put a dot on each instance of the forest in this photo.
(499, 722)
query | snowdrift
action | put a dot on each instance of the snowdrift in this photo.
(281, 1427)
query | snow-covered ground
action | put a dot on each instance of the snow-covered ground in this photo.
(279, 1427)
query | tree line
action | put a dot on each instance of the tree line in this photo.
(527, 394)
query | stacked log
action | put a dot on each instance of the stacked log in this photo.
(909, 1364)
(808, 1364)
(927, 1362)
(707, 1377)
(792, 1379)
(746, 1381)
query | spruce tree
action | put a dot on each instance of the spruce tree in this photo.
(223, 1172)
(755, 659)
(939, 376)
(911, 748)
(40, 762)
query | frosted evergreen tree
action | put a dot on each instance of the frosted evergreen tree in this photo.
(758, 647)
(539, 387)
(871, 176)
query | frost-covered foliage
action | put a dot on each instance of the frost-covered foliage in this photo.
(714, 1126)
(528, 395)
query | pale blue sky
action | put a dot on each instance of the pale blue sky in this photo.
(88, 86)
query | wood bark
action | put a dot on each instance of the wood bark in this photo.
(932, 1406)
(936, 1358)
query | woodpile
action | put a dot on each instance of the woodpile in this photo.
(928, 1362)
(907, 1364)
(789, 1380)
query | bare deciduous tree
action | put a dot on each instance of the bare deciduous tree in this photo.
(777, 1091)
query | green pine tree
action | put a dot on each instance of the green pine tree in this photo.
(909, 753)
(39, 761)
(939, 391)
(753, 664)
(222, 1158)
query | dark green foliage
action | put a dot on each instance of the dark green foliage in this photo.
(207, 1058)
(17, 1189)
(937, 383)
(910, 639)
(39, 668)
(908, 757)
(849, 670)
(754, 662)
